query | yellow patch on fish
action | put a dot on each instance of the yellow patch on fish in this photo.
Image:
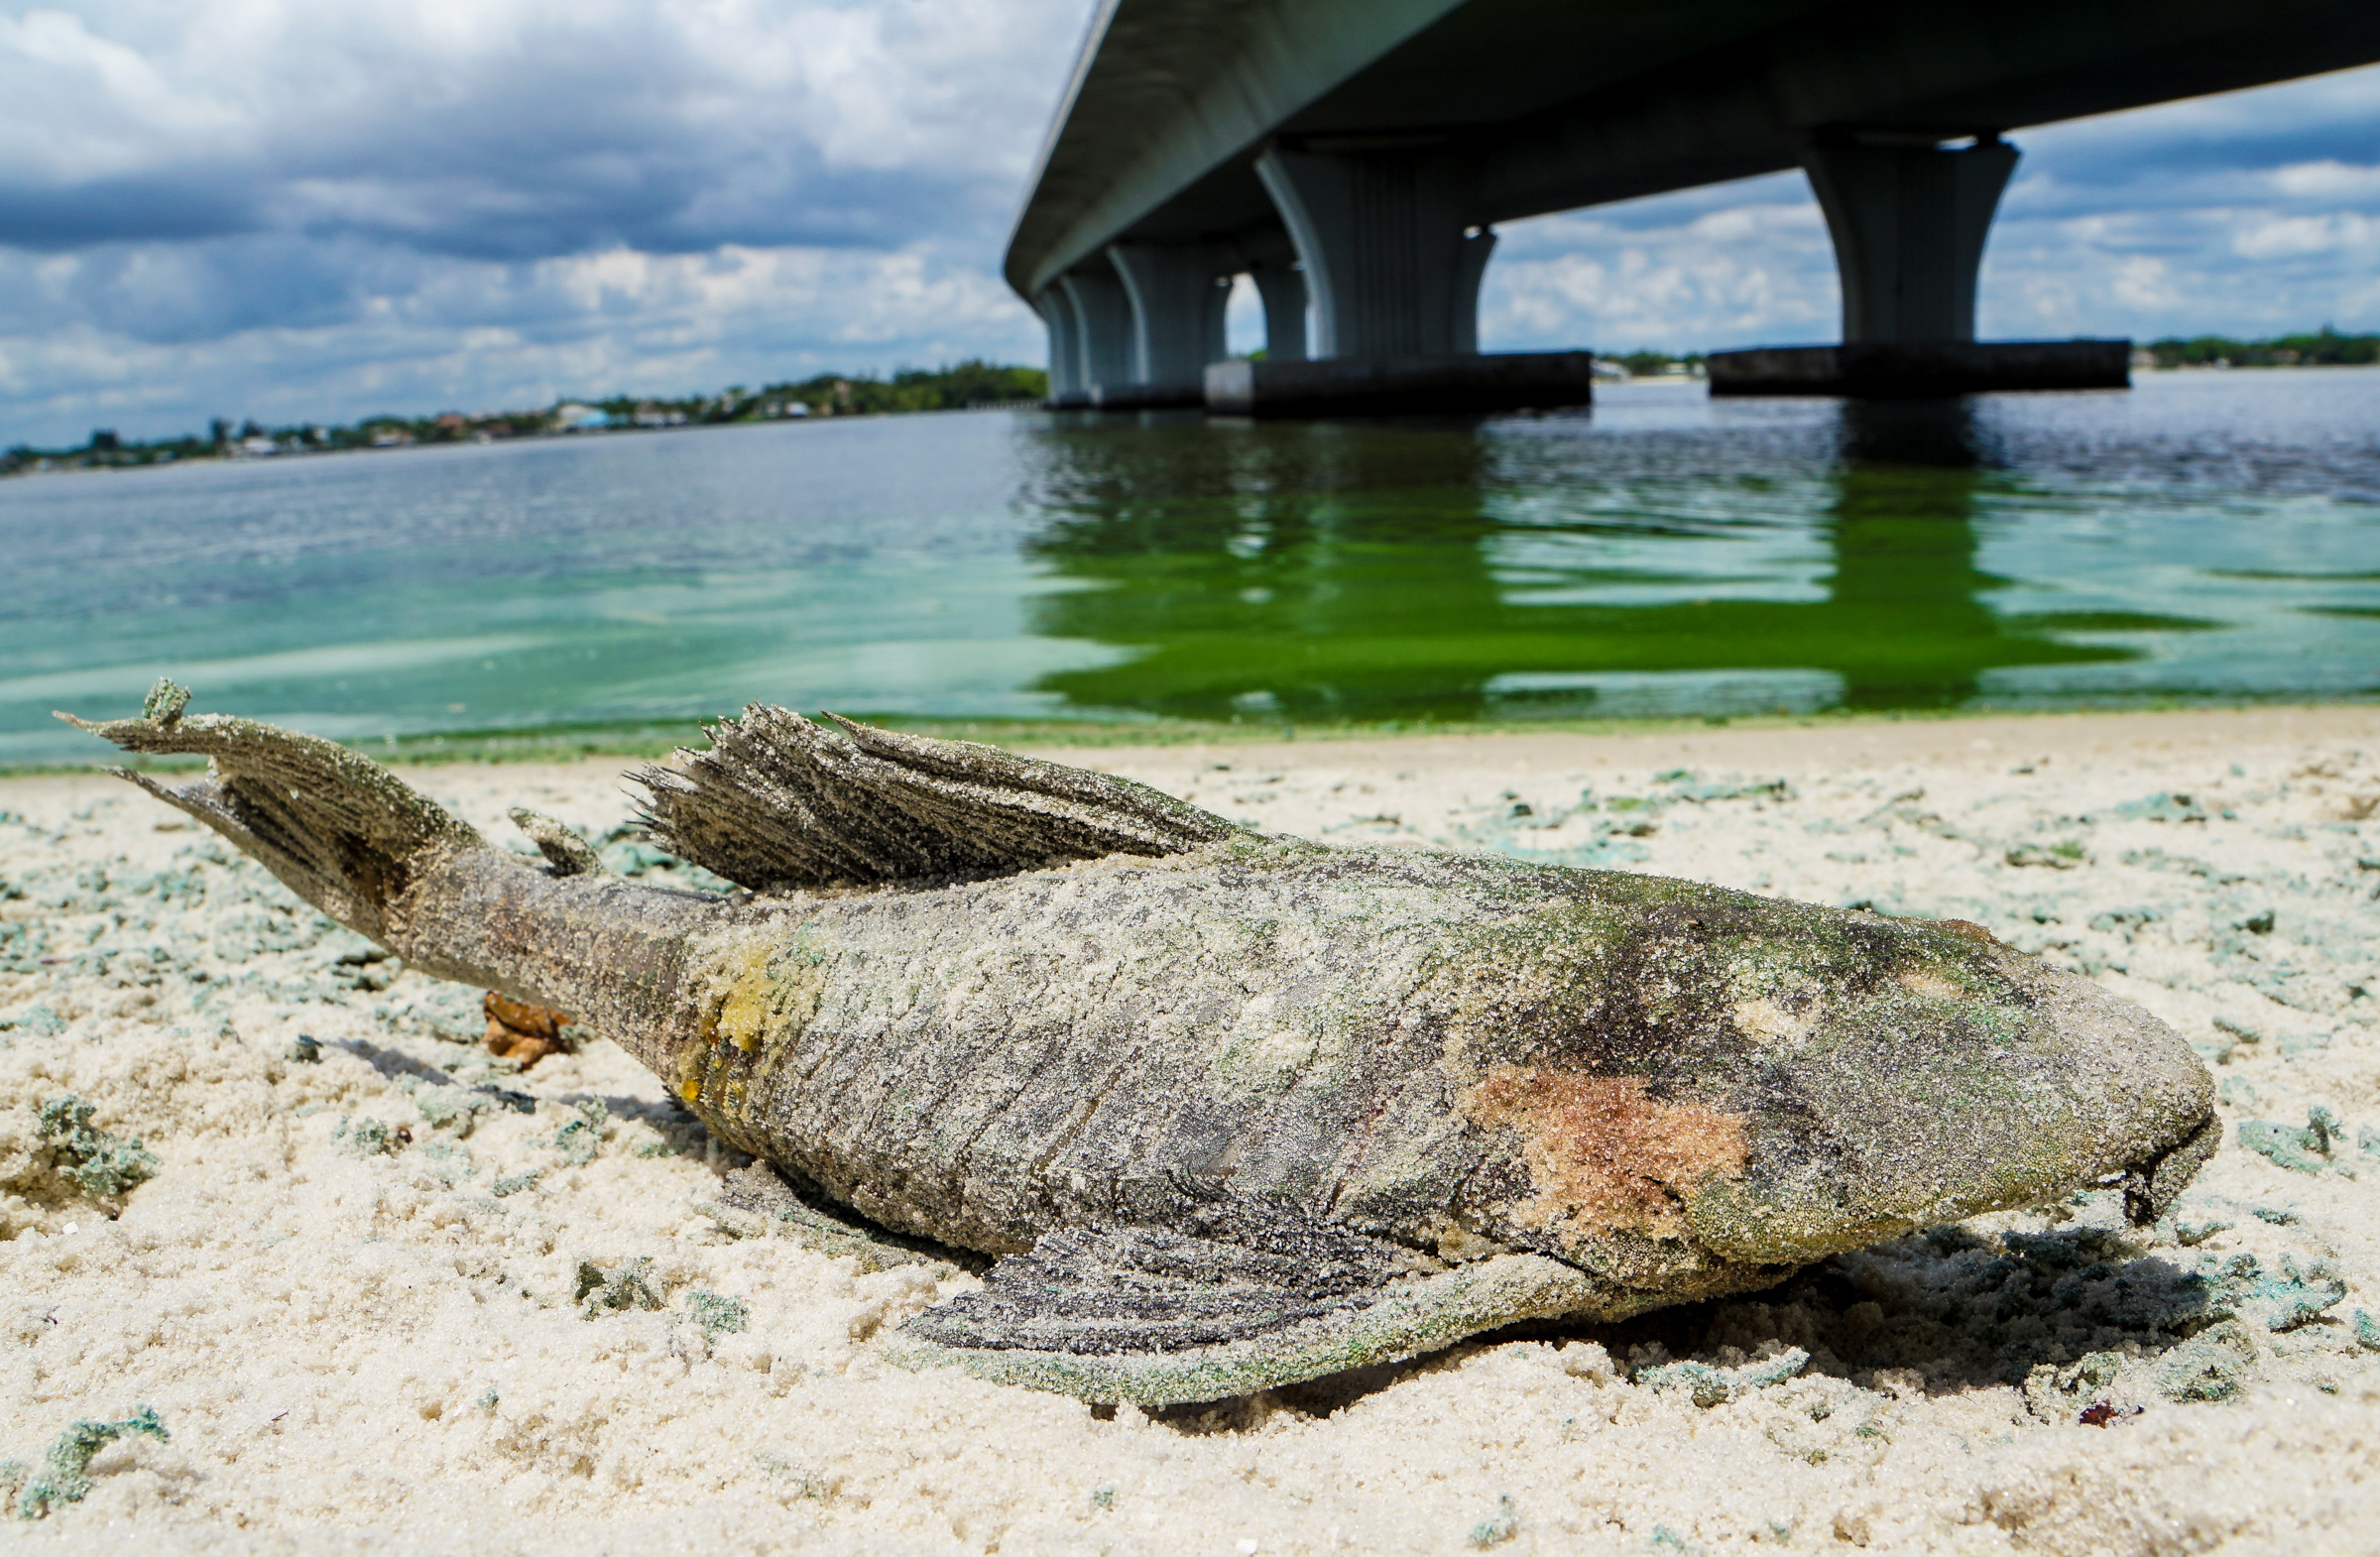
(764, 986)
(1773, 1020)
(1602, 1153)
(1925, 980)
(743, 1016)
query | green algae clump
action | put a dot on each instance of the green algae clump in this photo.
(578, 1140)
(64, 1476)
(96, 1162)
(615, 1289)
(717, 1313)
(1709, 1386)
(2305, 1151)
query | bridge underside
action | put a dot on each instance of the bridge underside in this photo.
(1354, 156)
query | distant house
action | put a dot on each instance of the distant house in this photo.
(257, 447)
(391, 437)
(571, 416)
(652, 415)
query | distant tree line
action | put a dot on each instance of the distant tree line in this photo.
(1655, 364)
(2325, 348)
(967, 386)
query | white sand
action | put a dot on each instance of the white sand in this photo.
(365, 1351)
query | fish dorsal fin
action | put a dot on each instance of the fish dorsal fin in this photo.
(780, 801)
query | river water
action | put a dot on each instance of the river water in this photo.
(2202, 536)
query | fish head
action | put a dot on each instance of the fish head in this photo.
(1678, 1077)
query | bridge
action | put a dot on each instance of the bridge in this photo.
(1354, 156)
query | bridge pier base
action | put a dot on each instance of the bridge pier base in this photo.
(1909, 219)
(1921, 370)
(1470, 382)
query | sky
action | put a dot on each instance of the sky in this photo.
(320, 210)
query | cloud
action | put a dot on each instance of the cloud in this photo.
(262, 206)
(1726, 262)
(376, 329)
(2328, 179)
(315, 211)
(523, 128)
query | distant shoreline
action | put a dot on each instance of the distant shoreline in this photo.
(78, 468)
(972, 385)
(479, 428)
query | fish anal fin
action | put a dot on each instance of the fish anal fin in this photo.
(757, 1202)
(780, 802)
(1163, 1318)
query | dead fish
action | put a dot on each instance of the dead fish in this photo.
(1236, 1110)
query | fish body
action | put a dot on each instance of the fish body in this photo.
(1234, 1110)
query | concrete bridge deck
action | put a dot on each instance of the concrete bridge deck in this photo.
(1354, 156)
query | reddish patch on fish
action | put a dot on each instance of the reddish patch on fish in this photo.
(1602, 1153)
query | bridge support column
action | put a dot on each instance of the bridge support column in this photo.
(1391, 266)
(1283, 288)
(1065, 350)
(1909, 224)
(1103, 325)
(1909, 218)
(1179, 292)
(1270, 261)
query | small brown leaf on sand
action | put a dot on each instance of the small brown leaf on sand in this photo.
(519, 1031)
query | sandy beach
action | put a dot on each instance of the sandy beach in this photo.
(383, 1295)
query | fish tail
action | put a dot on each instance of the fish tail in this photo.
(338, 828)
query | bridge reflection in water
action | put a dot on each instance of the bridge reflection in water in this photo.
(1356, 571)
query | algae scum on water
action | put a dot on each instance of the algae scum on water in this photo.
(1665, 555)
(1226, 1110)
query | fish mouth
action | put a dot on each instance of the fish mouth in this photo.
(2159, 1089)
(2152, 1184)
(1959, 1108)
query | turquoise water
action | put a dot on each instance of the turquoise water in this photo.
(2202, 536)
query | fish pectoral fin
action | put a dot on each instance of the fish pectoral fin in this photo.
(565, 851)
(780, 801)
(757, 1202)
(1161, 1318)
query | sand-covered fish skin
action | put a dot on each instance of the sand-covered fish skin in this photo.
(1243, 1109)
